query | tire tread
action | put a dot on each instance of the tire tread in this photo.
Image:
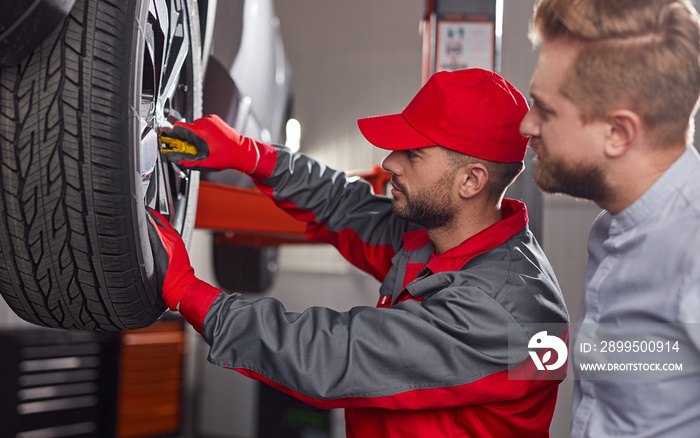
(68, 256)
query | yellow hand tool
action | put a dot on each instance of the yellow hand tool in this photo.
(169, 144)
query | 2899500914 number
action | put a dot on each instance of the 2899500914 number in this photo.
(639, 347)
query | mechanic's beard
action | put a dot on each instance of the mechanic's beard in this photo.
(431, 209)
(585, 181)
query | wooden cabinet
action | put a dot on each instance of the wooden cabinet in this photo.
(150, 380)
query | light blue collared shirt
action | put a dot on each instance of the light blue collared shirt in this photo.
(644, 267)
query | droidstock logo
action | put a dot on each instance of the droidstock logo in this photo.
(543, 340)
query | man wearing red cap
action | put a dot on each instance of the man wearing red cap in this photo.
(462, 276)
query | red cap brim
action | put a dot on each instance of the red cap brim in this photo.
(392, 132)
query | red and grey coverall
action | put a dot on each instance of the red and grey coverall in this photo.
(431, 359)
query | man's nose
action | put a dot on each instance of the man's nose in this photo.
(390, 163)
(530, 127)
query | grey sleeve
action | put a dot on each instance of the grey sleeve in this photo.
(333, 203)
(367, 357)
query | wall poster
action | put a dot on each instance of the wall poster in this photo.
(464, 44)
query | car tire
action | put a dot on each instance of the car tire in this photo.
(79, 125)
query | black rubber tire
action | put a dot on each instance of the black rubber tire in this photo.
(74, 249)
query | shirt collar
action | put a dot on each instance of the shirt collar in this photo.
(658, 194)
(514, 219)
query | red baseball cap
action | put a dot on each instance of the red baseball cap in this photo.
(475, 112)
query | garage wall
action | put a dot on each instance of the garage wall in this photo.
(349, 60)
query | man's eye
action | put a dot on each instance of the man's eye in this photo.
(544, 113)
(411, 155)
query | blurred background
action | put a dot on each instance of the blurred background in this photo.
(350, 60)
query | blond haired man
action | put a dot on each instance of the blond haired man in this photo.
(615, 91)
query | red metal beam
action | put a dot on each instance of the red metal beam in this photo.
(227, 208)
(249, 217)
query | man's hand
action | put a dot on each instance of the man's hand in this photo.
(174, 273)
(218, 145)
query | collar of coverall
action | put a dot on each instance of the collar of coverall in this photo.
(514, 220)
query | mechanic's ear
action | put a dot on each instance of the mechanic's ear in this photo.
(472, 179)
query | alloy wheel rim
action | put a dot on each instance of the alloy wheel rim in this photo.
(166, 97)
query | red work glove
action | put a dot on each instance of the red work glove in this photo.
(218, 145)
(174, 273)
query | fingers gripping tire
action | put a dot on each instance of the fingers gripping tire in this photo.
(79, 120)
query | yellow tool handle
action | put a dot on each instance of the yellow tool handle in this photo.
(175, 145)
